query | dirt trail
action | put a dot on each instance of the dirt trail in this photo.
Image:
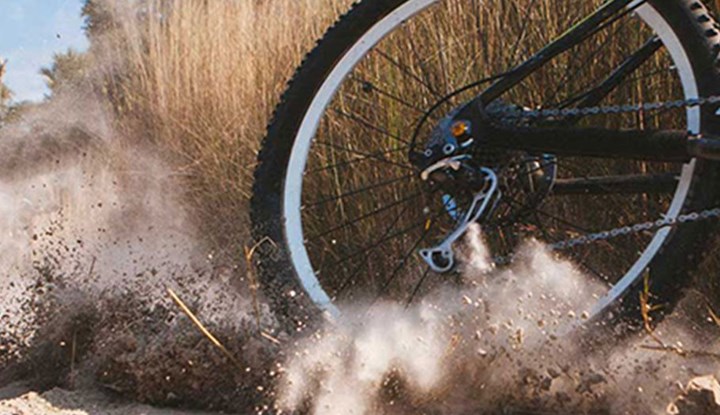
(62, 402)
(92, 237)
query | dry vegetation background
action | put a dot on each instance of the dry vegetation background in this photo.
(195, 86)
(201, 83)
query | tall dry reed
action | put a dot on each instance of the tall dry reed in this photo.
(200, 79)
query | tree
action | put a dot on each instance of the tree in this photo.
(69, 69)
(5, 92)
(98, 18)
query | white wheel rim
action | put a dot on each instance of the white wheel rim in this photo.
(292, 192)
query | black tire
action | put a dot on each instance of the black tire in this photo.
(669, 270)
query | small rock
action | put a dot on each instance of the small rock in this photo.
(553, 373)
(701, 397)
(589, 380)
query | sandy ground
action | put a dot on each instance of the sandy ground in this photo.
(17, 401)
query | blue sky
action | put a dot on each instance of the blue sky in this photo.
(30, 32)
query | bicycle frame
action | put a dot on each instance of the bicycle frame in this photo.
(656, 145)
(640, 144)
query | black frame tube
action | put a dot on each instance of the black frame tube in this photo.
(572, 37)
(651, 145)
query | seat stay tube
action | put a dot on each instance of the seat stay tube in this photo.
(572, 37)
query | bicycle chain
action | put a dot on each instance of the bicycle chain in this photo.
(514, 114)
(637, 228)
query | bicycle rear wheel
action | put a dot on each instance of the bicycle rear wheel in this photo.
(347, 211)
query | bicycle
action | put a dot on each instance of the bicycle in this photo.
(591, 126)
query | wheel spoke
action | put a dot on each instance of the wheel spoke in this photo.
(369, 87)
(402, 263)
(365, 154)
(408, 254)
(423, 68)
(404, 69)
(369, 249)
(328, 199)
(365, 216)
(644, 76)
(574, 255)
(386, 238)
(370, 126)
(419, 284)
(523, 30)
(371, 156)
(567, 223)
(571, 73)
(427, 223)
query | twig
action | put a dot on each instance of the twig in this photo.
(202, 328)
(269, 337)
(254, 284)
(646, 308)
(92, 267)
(714, 316)
(73, 355)
(680, 351)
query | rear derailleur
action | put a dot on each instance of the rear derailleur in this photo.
(470, 174)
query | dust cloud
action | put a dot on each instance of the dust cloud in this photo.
(95, 230)
(499, 344)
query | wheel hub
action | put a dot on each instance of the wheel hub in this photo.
(455, 162)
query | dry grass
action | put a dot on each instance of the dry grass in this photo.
(202, 82)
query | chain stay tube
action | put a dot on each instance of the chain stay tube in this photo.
(656, 145)
(497, 127)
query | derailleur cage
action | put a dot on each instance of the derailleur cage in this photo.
(441, 258)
